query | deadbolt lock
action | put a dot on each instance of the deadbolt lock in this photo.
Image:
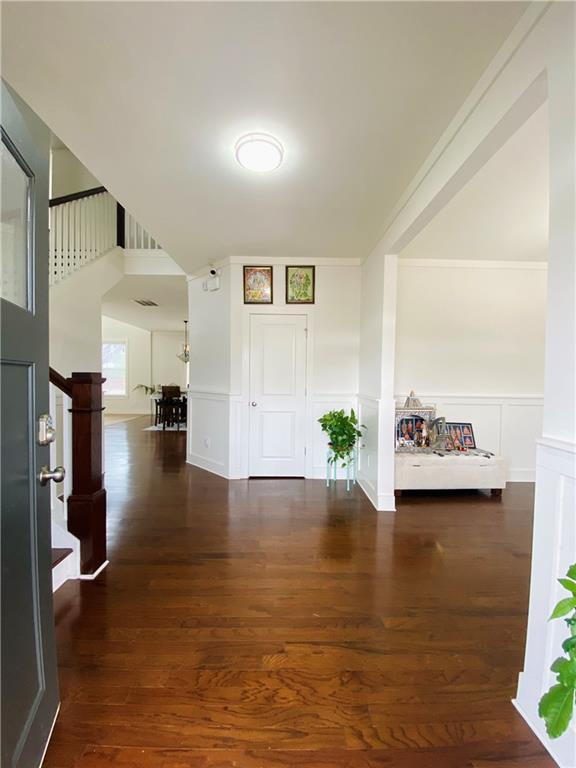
(46, 431)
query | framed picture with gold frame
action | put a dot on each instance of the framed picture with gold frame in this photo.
(300, 285)
(258, 285)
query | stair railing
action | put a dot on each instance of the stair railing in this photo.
(82, 228)
(85, 226)
(84, 492)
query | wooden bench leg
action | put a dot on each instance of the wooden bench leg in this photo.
(497, 492)
(397, 493)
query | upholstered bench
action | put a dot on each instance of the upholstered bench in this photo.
(429, 471)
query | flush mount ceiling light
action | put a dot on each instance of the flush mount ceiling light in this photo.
(259, 152)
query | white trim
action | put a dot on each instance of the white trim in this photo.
(64, 571)
(210, 394)
(328, 397)
(209, 465)
(461, 398)
(557, 445)
(472, 264)
(537, 727)
(384, 502)
(97, 572)
(50, 735)
(317, 261)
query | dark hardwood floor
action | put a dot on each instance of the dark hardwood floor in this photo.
(278, 623)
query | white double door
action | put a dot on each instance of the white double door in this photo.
(277, 395)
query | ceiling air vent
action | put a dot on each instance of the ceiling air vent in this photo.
(145, 302)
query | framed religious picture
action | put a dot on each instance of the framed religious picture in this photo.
(300, 285)
(462, 434)
(258, 285)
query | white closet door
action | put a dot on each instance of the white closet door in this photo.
(277, 395)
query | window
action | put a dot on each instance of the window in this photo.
(114, 367)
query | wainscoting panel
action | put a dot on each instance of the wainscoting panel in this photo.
(552, 554)
(208, 431)
(508, 425)
(369, 415)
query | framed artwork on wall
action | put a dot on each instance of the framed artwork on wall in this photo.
(258, 285)
(300, 285)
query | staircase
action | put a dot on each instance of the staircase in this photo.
(85, 226)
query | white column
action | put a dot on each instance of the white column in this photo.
(386, 441)
(554, 544)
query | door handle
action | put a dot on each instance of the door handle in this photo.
(253, 404)
(57, 475)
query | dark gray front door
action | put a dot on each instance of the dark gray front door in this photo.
(29, 672)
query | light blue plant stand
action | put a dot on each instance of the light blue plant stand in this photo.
(351, 468)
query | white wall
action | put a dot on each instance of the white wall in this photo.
(478, 353)
(138, 366)
(75, 314)
(166, 367)
(469, 328)
(69, 175)
(219, 338)
(209, 391)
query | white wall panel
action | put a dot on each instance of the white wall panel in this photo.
(208, 440)
(368, 411)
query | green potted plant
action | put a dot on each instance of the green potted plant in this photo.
(556, 707)
(147, 390)
(343, 433)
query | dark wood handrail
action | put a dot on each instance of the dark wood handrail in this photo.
(61, 382)
(76, 196)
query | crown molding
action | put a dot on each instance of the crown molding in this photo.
(290, 261)
(472, 264)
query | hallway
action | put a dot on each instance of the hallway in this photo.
(275, 623)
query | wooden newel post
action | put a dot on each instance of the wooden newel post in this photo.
(87, 503)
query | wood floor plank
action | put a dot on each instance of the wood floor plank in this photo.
(277, 623)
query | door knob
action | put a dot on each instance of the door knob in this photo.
(57, 475)
(253, 404)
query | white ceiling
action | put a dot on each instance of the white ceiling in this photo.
(169, 292)
(502, 213)
(151, 97)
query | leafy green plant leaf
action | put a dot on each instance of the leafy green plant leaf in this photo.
(569, 585)
(569, 646)
(556, 708)
(571, 573)
(563, 607)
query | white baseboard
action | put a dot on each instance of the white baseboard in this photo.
(561, 751)
(383, 502)
(97, 572)
(215, 467)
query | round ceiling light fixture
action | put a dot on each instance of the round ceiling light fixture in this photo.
(259, 152)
